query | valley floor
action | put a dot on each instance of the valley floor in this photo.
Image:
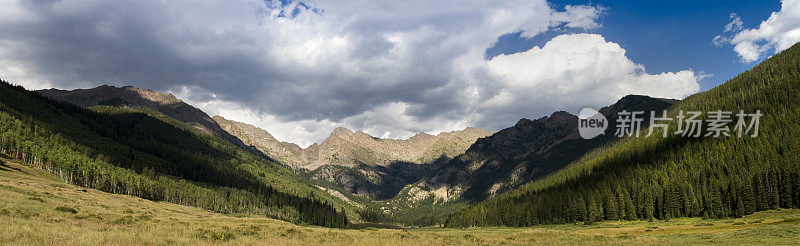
(38, 209)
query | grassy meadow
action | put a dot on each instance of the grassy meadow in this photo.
(36, 208)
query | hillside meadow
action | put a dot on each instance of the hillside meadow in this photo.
(36, 208)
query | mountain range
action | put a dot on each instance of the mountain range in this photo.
(542, 166)
(425, 170)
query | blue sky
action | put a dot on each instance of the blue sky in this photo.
(299, 69)
(665, 35)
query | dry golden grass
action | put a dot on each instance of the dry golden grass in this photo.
(38, 209)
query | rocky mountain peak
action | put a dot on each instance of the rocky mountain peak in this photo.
(561, 115)
(155, 96)
(421, 136)
(636, 102)
(247, 129)
(341, 132)
(523, 121)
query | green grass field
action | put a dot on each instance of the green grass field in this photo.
(36, 208)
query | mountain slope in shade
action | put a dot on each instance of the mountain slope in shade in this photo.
(129, 96)
(519, 154)
(360, 163)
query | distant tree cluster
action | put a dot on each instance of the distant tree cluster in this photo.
(664, 178)
(143, 153)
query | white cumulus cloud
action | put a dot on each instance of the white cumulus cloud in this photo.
(778, 32)
(574, 71)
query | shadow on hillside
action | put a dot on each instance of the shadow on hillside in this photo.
(368, 225)
(6, 168)
(381, 182)
(3, 166)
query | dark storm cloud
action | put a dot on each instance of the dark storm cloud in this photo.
(161, 45)
(391, 68)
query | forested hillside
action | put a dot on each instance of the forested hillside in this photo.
(663, 178)
(165, 103)
(141, 152)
